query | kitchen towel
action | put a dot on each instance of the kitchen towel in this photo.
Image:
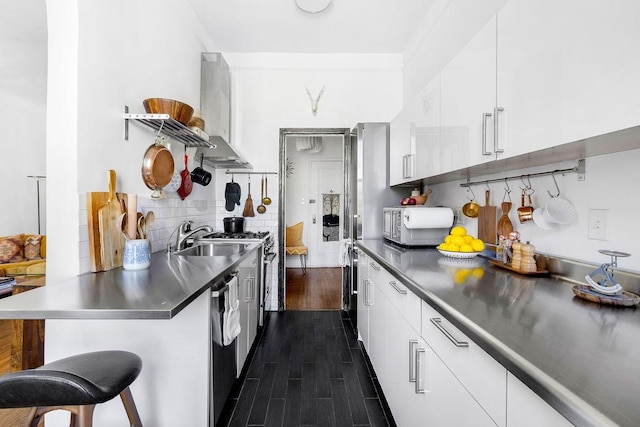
(345, 246)
(427, 217)
(231, 324)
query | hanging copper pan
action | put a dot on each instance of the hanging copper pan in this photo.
(157, 166)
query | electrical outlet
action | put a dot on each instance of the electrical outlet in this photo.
(599, 224)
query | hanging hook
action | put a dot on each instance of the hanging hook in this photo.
(487, 184)
(507, 189)
(528, 188)
(473, 196)
(553, 175)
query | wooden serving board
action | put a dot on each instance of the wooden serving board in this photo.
(526, 273)
(487, 216)
(95, 202)
(111, 237)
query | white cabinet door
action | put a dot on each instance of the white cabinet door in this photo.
(480, 373)
(247, 294)
(526, 409)
(364, 292)
(427, 133)
(401, 156)
(566, 71)
(378, 326)
(468, 97)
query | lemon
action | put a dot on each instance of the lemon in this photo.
(466, 248)
(468, 238)
(458, 231)
(453, 247)
(448, 238)
(443, 246)
(477, 245)
(457, 240)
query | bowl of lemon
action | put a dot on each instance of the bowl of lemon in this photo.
(459, 244)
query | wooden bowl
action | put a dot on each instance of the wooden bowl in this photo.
(196, 122)
(422, 199)
(175, 109)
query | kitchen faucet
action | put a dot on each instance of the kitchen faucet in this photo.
(184, 232)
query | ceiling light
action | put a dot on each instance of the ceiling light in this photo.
(313, 6)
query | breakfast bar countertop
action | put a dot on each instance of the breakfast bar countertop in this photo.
(158, 292)
(577, 355)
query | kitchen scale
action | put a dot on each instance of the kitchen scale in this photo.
(602, 287)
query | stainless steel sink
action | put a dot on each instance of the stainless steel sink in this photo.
(215, 249)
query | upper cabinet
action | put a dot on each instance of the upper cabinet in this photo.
(566, 71)
(538, 75)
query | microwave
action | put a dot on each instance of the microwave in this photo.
(416, 225)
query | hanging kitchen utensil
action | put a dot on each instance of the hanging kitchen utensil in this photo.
(149, 219)
(248, 205)
(487, 216)
(157, 166)
(261, 207)
(471, 208)
(504, 223)
(266, 200)
(187, 184)
(199, 175)
(525, 212)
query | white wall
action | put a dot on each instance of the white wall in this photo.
(104, 56)
(610, 184)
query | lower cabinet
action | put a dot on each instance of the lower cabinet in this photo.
(526, 409)
(248, 296)
(433, 374)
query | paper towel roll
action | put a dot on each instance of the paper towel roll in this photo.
(427, 217)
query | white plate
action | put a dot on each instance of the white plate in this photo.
(539, 220)
(459, 254)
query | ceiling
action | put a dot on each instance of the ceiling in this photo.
(346, 26)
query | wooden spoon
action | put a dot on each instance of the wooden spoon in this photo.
(261, 207)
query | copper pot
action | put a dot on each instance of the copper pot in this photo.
(157, 166)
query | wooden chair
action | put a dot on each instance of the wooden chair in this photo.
(294, 244)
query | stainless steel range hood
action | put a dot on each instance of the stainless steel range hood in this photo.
(215, 103)
(223, 156)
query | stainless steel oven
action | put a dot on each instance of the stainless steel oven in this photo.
(267, 256)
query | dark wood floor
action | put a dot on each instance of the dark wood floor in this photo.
(319, 289)
(307, 369)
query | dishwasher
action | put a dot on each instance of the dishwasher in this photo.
(223, 358)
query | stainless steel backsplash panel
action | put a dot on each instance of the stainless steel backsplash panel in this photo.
(574, 270)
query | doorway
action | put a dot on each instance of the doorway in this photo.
(312, 192)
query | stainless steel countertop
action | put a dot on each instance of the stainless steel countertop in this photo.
(581, 357)
(159, 292)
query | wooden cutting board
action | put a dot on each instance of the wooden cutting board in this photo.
(487, 216)
(95, 201)
(111, 237)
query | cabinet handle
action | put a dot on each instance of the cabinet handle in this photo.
(412, 360)
(368, 294)
(404, 167)
(410, 165)
(419, 380)
(437, 322)
(485, 116)
(394, 285)
(496, 146)
(374, 266)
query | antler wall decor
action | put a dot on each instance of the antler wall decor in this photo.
(314, 102)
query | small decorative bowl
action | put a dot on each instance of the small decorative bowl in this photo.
(459, 254)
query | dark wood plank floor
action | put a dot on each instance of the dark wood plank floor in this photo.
(307, 369)
(319, 289)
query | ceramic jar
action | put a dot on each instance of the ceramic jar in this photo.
(137, 254)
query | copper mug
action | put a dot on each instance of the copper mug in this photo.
(525, 212)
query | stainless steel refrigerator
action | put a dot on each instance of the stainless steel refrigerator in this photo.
(367, 192)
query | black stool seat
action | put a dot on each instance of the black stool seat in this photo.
(85, 379)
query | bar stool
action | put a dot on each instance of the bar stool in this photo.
(76, 384)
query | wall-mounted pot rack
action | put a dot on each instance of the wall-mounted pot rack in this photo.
(579, 169)
(228, 172)
(163, 123)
